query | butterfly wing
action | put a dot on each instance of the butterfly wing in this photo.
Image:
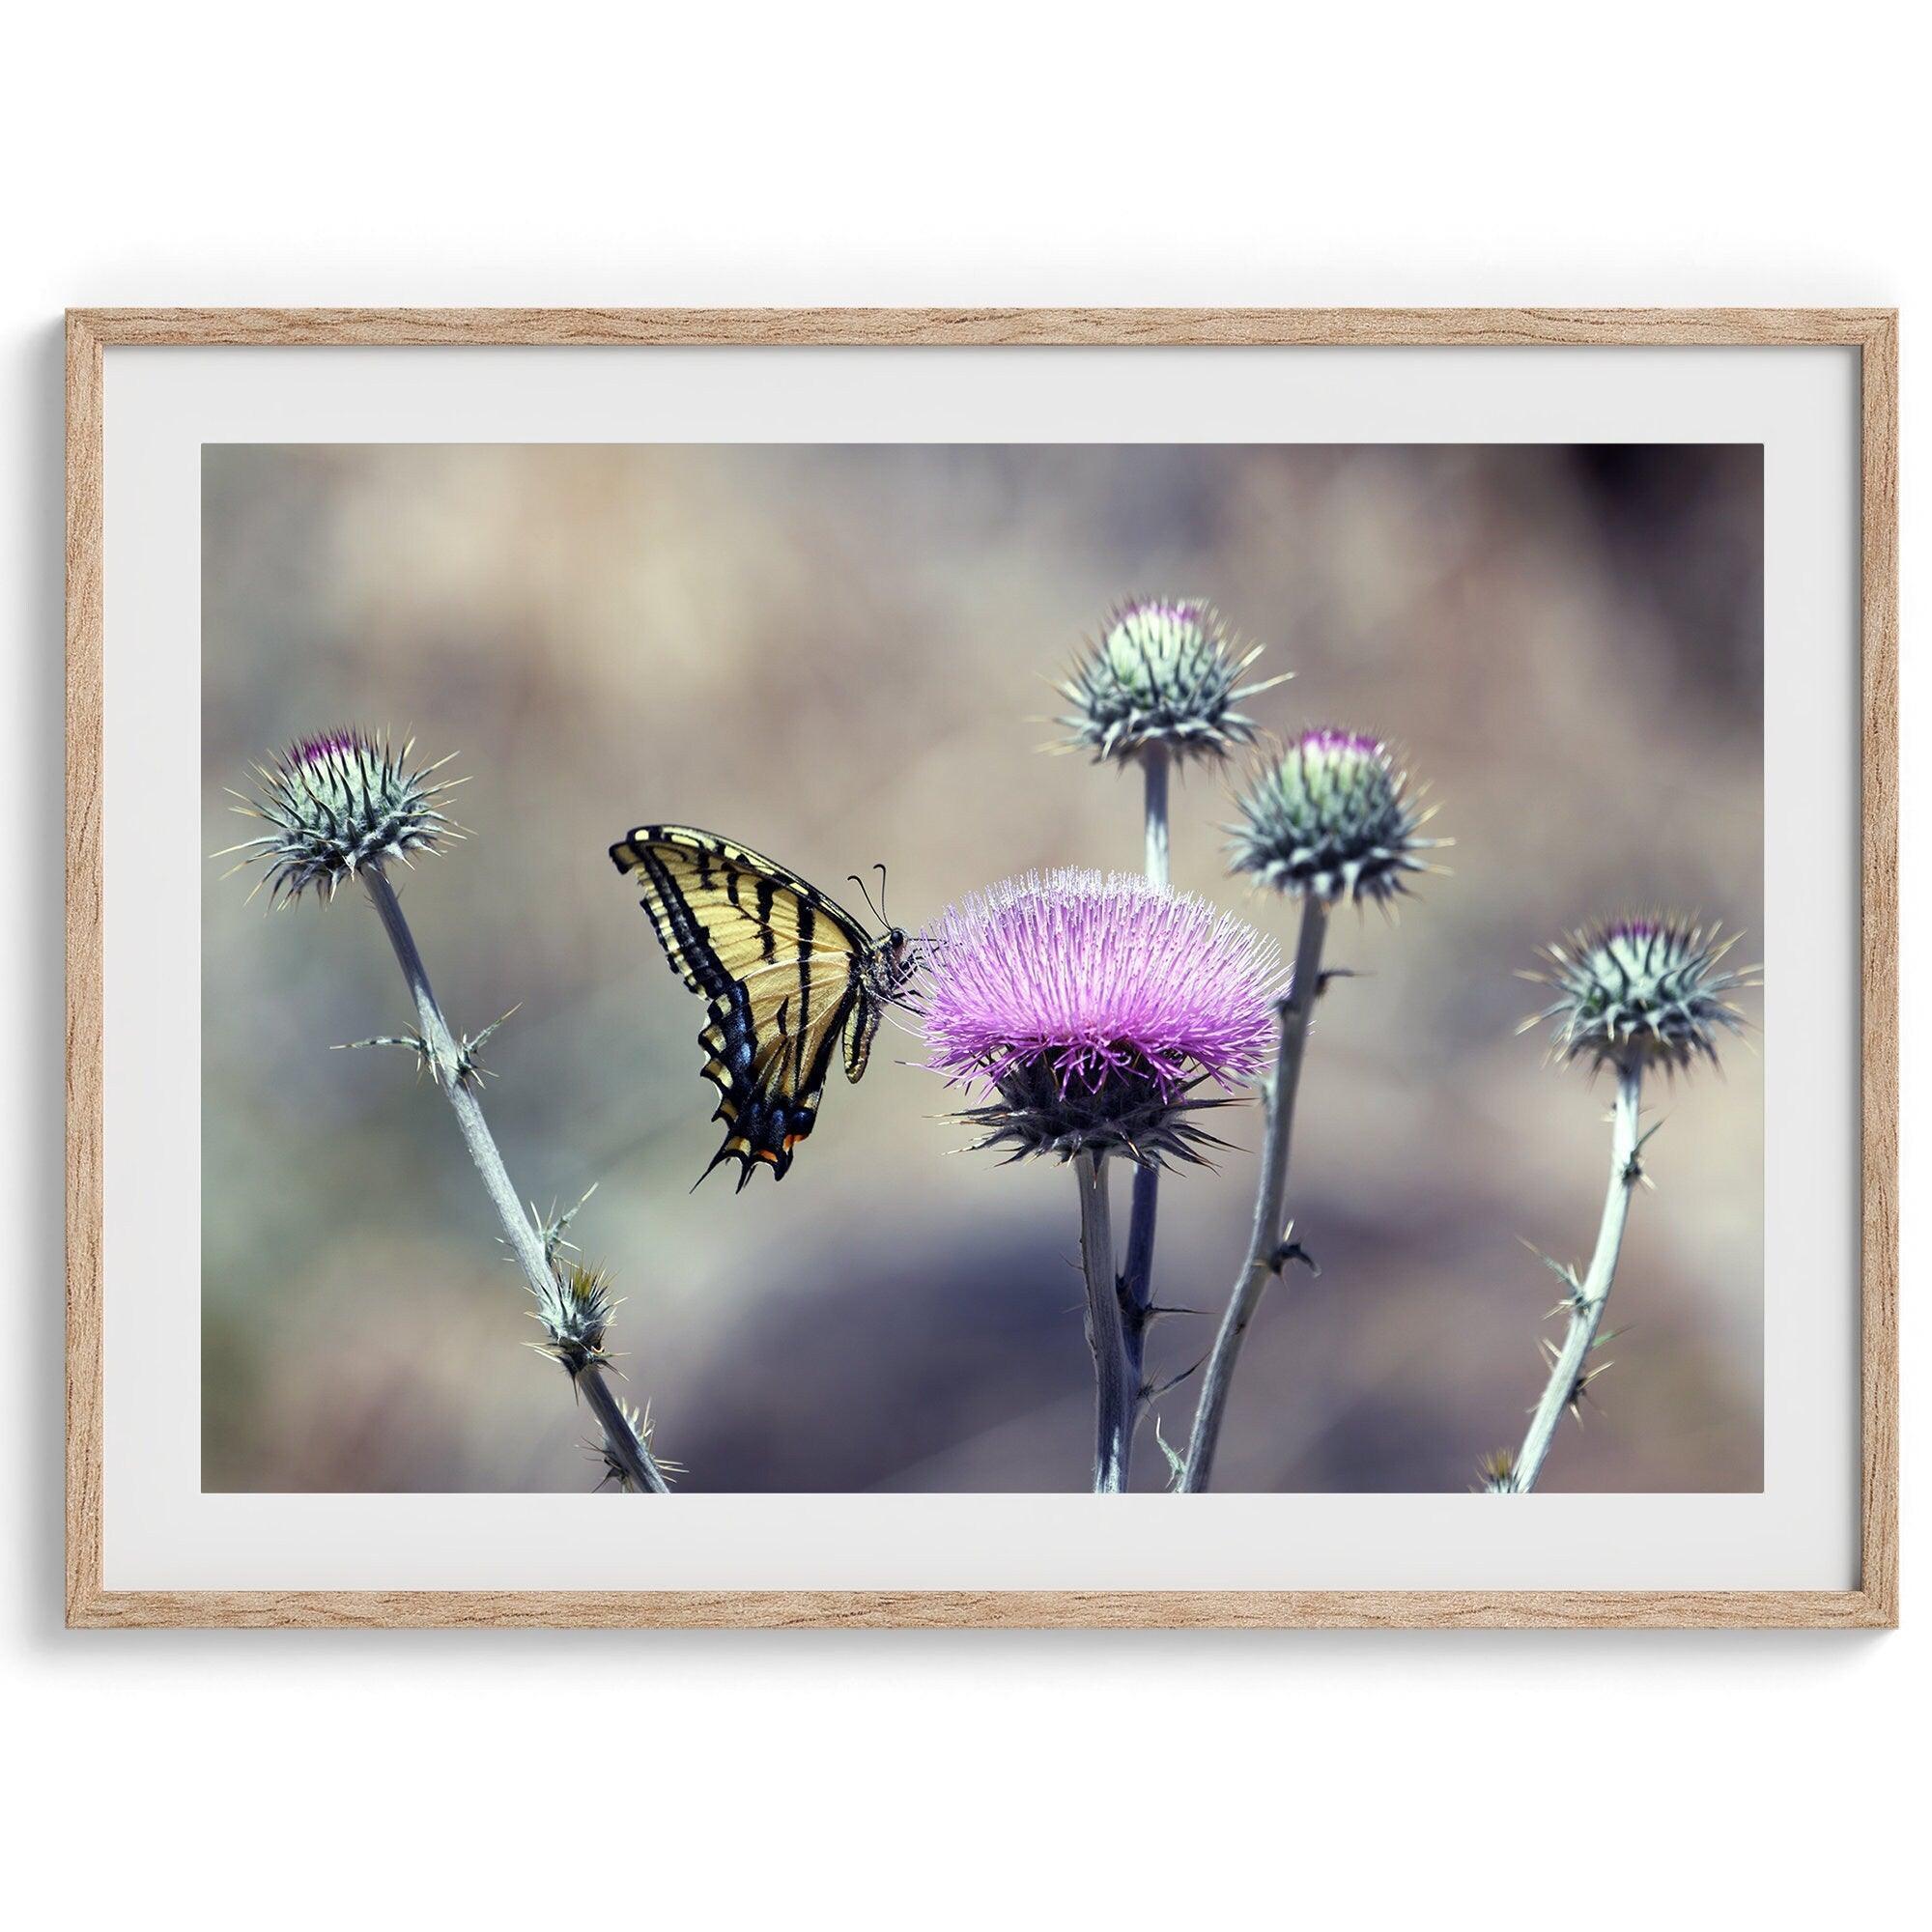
(783, 968)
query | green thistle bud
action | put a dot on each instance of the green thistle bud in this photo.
(1637, 992)
(338, 803)
(575, 1317)
(1166, 673)
(1332, 816)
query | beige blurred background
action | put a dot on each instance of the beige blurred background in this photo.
(836, 655)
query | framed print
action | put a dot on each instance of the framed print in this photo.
(982, 967)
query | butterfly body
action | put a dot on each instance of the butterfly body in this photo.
(789, 975)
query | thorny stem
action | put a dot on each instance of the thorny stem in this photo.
(1137, 1282)
(1586, 1308)
(446, 1064)
(1116, 1389)
(1264, 1248)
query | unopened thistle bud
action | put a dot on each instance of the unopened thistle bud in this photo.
(1635, 992)
(338, 803)
(576, 1316)
(1166, 673)
(1332, 816)
(1093, 1007)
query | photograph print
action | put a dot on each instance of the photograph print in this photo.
(983, 968)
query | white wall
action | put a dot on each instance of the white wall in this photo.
(993, 152)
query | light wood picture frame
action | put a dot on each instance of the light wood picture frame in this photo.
(1872, 333)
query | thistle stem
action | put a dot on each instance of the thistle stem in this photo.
(1116, 1389)
(1586, 1308)
(1136, 1286)
(446, 1064)
(1154, 762)
(1264, 1248)
(1137, 1283)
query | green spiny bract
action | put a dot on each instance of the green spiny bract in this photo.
(575, 1317)
(1165, 673)
(1636, 992)
(336, 804)
(1120, 1108)
(1332, 816)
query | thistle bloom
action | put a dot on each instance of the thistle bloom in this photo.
(1093, 1005)
(338, 803)
(1331, 817)
(1165, 673)
(1645, 991)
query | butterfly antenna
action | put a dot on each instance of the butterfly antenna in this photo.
(879, 868)
(875, 911)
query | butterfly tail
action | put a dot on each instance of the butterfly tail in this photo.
(749, 1159)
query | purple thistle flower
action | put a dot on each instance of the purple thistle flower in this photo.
(1094, 1005)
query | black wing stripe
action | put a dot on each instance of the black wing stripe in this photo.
(768, 890)
(813, 1083)
(699, 960)
(807, 924)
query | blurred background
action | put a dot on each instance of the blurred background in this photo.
(836, 655)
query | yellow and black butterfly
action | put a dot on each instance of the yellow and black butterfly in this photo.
(789, 974)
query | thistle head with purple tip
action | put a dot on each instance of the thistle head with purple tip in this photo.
(1165, 674)
(337, 804)
(1331, 815)
(1643, 990)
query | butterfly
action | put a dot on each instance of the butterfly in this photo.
(790, 975)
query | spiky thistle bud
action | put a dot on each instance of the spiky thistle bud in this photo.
(576, 1316)
(1497, 1474)
(1331, 814)
(1093, 1006)
(338, 803)
(1165, 673)
(1640, 991)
